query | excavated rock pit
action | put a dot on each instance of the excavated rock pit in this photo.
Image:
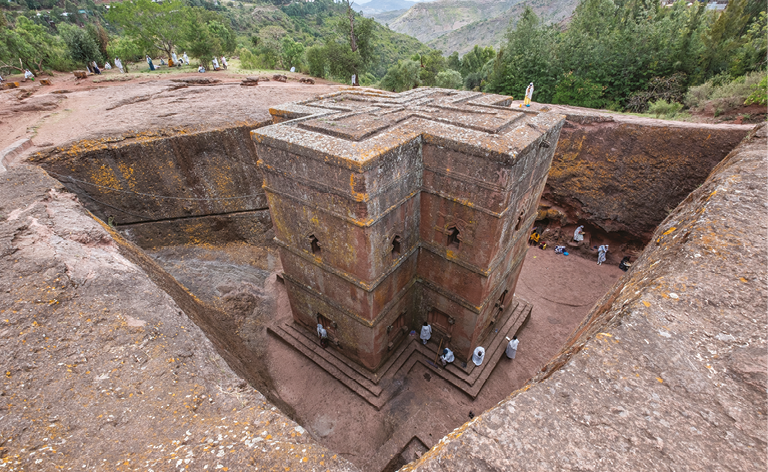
(191, 200)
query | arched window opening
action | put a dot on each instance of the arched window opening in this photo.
(314, 245)
(519, 221)
(453, 237)
(396, 245)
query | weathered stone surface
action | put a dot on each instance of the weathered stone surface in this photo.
(668, 370)
(395, 209)
(623, 175)
(80, 74)
(169, 187)
(279, 78)
(102, 370)
(10, 85)
(45, 81)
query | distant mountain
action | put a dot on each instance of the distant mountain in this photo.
(380, 6)
(491, 32)
(457, 25)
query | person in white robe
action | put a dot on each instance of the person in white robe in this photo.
(426, 333)
(578, 235)
(478, 355)
(601, 251)
(354, 78)
(201, 69)
(107, 66)
(447, 356)
(215, 64)
(511, 350)
(119, 65)
(29, 75)
(174, 57)
(186, 58)
(322, 334)
(529, 94)
(224, 62)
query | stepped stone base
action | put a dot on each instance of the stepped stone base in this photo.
(374, 387)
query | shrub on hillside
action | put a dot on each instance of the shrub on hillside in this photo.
(247, 59)
(578, 91)
(449, 79)
(759, 94)
(664, 108)
(669, 89)
(725, 96)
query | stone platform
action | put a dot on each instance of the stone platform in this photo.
(378, 387)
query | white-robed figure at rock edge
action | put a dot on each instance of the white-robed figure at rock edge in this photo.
(578, 235)
(426, 332)
(529, 94)
(478, 356)
(511, 350)
(447, 356)
(601, 251)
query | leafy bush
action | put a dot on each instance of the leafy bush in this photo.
(759, 94)
(665, 108)
(402, 76)
(698, 95)
(578, 91)
(449, 79)
(670, 89)
(247, 59)
(724, 97)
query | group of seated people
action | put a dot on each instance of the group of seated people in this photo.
(535, 240)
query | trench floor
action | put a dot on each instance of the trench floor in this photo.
(241, 280)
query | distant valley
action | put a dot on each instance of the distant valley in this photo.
(456, 25)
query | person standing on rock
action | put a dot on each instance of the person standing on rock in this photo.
(511, 350)
(529, 94)
(601, 251)
(578, 235)
(323, 335)
(478, 355)
(426, 333)
(447, 356)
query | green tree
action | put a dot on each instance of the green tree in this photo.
(82, 47)
(316, 60)
(432, 63)
(449, 79)
(154, 26)
(402, 76)
(293, 52)
(527, 56)
(724, 38)
(572, 90)
(28, 46)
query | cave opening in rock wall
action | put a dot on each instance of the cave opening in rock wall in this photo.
(194, 203)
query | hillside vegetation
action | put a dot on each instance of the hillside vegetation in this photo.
(427, 21)
(46, 35)
(490, 32)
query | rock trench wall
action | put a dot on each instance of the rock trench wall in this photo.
(620, 177)
(178, 186)
(668, 371)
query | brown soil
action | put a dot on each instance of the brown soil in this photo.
(75, 109)
(562, 289)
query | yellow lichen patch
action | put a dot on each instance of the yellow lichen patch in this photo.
(647, 304)
(670, 230)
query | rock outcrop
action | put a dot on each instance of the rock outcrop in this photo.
(102, 370)
(668, 372)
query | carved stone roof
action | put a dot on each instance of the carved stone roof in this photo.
(353, 127)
